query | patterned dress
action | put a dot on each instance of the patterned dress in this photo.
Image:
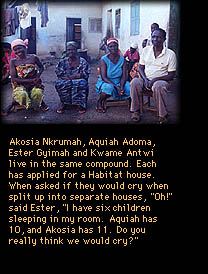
(28, 94)
(134, 73)
(72, 92)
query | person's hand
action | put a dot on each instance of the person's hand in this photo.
(120, 91)
(147, 84)
(151, 82)
(65, 77)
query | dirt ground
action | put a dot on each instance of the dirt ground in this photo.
(117, 115)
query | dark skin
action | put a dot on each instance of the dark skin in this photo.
(74, 61)
(154, 27)
(157, 41)
(132, 52)
(114, 57)
(24, 58)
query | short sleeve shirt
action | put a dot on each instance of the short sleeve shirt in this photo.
(160, 66)
(134, 56)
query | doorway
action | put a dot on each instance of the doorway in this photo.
(109, 32)
(30, 34)
(73, 30)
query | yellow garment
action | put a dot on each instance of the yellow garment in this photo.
(31, 98)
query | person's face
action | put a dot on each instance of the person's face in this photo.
(144, 43)
(153, 27)
(157, 38)
(113, 48)
(71, 51)
(132, 50)
(20, 51)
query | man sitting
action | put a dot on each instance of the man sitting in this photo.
(157, 68)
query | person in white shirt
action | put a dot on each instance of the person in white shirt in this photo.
(157, 68)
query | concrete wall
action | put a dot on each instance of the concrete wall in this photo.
(53, 37)
(150, 12)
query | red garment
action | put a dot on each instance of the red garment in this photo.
(13, 55)
(6, 61)
(134, 56)
(110, 40)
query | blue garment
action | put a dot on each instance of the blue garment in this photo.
(114, 74)
(72, 92)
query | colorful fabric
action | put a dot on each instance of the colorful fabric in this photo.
(114, 74)
(28, 94)
(134, 73)
(72, 92)
(28, 71)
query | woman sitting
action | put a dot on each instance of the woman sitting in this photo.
(112, 79)
(72, 84)
(25, 78)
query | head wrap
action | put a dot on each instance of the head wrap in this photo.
(110, 40)
(19, 42)
(134, 45)
(72, 43)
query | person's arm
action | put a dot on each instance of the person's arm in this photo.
(143, 75)
(149, 83)
(169, 77)
(84, 71)
(171, 71)
(126, 54)
(60, 71)
(123, 77)
(40, 66)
